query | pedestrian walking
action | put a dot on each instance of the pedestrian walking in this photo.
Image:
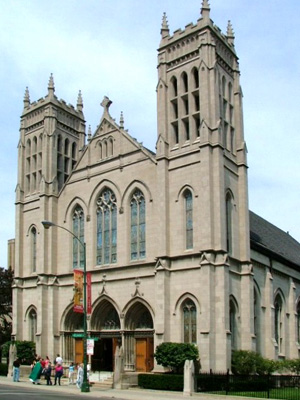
(58, 373)
(16, 370)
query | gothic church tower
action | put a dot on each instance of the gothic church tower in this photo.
(51, 136)
(201, 148)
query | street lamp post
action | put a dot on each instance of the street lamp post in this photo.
(85, 387)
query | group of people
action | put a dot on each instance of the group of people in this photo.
(43, 367)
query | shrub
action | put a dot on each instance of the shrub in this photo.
(161, 382)
(3, 369)
(173, 355)
(25, 350)
(246, 362)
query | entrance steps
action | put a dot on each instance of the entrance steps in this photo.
(102, 380)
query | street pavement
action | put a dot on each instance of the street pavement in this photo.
(127, 394)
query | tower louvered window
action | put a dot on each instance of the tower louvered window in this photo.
(189, 219)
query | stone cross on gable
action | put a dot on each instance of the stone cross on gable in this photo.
(106, 103)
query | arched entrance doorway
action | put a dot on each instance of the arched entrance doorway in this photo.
(105, 326)
(138, 338)
(73, 346)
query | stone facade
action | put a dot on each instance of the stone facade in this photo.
(167, 234)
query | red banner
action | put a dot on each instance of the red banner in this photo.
(78, 291)
(89, 292)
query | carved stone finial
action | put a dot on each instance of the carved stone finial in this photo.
(51, 88)
(205, 10)
(89, 133)
(230, 33)
(79, 101)
(164, 27)
(26, 98)
(122, 120)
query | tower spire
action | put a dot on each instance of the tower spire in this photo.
(205, 10)
(230, 33)
(51, 88)
(79, 102)
(164, 27)
(26, 98)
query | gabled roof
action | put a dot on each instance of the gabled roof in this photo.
(270, 240)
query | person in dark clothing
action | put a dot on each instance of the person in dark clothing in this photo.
(47, 373)
(16, 370)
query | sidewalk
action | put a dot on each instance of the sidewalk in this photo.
(127, 394)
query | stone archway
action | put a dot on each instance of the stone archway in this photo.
(73, 346)
(138, 338)
(105, 327)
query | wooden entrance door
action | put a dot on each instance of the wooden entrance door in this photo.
(144, 354)
(78, 351)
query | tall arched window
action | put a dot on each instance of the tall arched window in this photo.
(188, 219)
(189, 321)
(174, 86)
(78, 230)
(106, 228)
(278, 321)
(233, 323)
(138, 226)
(33, 249)
(32, 319)
(184, 78)
(298, 322)
(257, 319)
(229, 205)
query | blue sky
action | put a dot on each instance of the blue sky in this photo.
(109, 48)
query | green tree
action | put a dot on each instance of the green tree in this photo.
(173, 355)
(246, 362)
(6, 279)
(25, 350)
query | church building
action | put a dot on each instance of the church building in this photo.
(173, 252)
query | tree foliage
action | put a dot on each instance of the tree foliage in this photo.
(6, 279)
(25, 350)
(246, 362)
(173, 355)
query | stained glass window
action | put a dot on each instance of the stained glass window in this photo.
(138, 226)
(106, 228)
(78, 230)
(278, 322)
(189, 219)
(189, 322)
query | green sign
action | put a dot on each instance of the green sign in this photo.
(78, 335)
(93, 338)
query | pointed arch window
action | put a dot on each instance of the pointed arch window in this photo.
(189, 321)
(257, 319)
(188, 219)
(78, 230)
(233, 324)
(298, 322)
(174, 86)
(138, 226)
(278, 322)
(32, 317)
(106, 228)
(229, 205)
(33, 249)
